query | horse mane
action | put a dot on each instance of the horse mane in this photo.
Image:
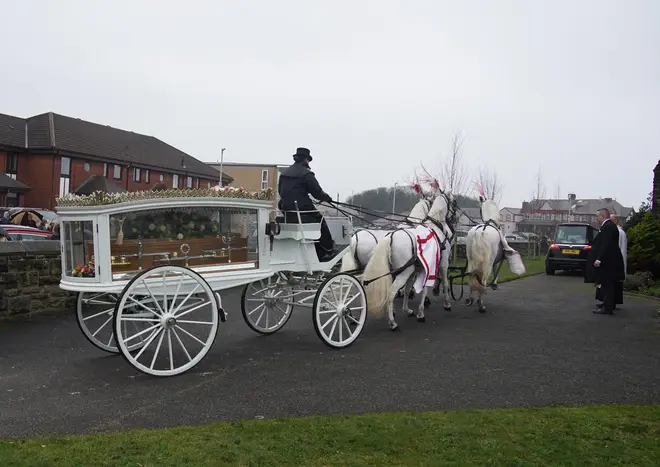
(436, 212)
(419, 211)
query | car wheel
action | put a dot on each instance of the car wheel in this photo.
(549, 270)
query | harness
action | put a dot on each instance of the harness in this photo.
(499, 258)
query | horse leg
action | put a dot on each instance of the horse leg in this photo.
(399, 282)
(406, 291)
(420, 309)
(480, 303)
(445, 288)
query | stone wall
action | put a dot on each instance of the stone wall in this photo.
(29, 279)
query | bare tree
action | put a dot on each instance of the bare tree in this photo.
(488, 181)
(453, 175)
(539, 191)
(557, 191)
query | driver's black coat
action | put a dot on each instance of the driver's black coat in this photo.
(296, 183)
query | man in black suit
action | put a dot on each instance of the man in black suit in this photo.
(605, 263)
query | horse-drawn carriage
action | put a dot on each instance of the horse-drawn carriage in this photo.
(147, 267)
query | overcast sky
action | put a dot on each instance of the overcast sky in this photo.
(373, 88)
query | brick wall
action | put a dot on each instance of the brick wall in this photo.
(29, 279)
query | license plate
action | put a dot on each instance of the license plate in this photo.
(570, 252)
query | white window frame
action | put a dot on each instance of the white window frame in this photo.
(175, 181)
(65, 176)
(137, 174)
(146, 176)
(264, 179)
(116, 168)
(189, 182)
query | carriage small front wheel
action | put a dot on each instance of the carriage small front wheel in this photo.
(339, 310)
(266, 304)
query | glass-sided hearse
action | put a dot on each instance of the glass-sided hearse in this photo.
(147, 267)
(570, 248)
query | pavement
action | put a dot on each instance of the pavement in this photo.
(537, 345)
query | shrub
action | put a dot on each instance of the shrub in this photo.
(638, 281)
(644, 246)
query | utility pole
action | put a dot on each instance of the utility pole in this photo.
(222, 154)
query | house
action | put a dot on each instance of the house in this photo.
(52, 155)
(468, 218)
(542, 215)
(509, 218)
(252, 176)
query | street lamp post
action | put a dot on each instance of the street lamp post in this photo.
(394, 199)
(222, 154)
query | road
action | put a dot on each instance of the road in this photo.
(538, 345)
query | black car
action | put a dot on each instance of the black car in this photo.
(570, 248)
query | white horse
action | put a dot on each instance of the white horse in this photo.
(486, 248)
(396, 255)
(364, 241)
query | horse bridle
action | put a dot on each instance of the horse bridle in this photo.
(452, 207)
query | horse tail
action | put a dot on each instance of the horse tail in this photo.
(349, 260)
(481, 257)
(378, 270)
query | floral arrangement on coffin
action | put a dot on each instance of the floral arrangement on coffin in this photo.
(83, 270)
(101, 198)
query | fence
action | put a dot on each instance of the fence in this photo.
(528, 249)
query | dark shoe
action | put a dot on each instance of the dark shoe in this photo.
(602, 311)
(600, 305)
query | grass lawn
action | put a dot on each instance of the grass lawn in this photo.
(533, 267)
(584, 436)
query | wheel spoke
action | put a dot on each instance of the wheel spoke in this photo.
(141, 332)
(334, 325)
(176, 294)
(190, 334)
(191, 309)
(143, 306)
(151, 339)
(185, 299)
(102, 326)
(257, 308)
(139, 318)
(112, 335)
(331, 320)
(160, 341)
(109, 310)
(193, 322)
(181, 344)
(169, 346)
(146, 286)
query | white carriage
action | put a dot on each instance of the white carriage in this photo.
(147, 267)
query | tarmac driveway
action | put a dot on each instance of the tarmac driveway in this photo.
(538, 344)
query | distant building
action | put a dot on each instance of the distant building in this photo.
(542, 215)
(509, 219)
(50, 155)
(253, 176)
(468, 218)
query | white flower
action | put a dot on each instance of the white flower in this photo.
(180, 236)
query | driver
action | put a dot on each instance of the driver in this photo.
(296, 183)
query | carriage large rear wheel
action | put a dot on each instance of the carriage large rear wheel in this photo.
(339, 310)
(180, 313)
(94, 312)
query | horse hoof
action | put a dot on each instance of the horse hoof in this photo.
(493, 287)
(447, 308)
(469, 301)
(422, 319)
(395, 328)
(482, 309)
(409, 313)
(411, 295)
(427, 302)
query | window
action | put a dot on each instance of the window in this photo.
(116, 172)
(189, 182)
(264, 179)
(209, 185)
(196, 182)
(175, 181)
(146, 176)
(508, 217)
(136, 175)
(11, 167)
(105, 169)
(65, 176)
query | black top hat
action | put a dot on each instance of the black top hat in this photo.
(302, 153)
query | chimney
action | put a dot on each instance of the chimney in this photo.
(608, 200)
(572, 197)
